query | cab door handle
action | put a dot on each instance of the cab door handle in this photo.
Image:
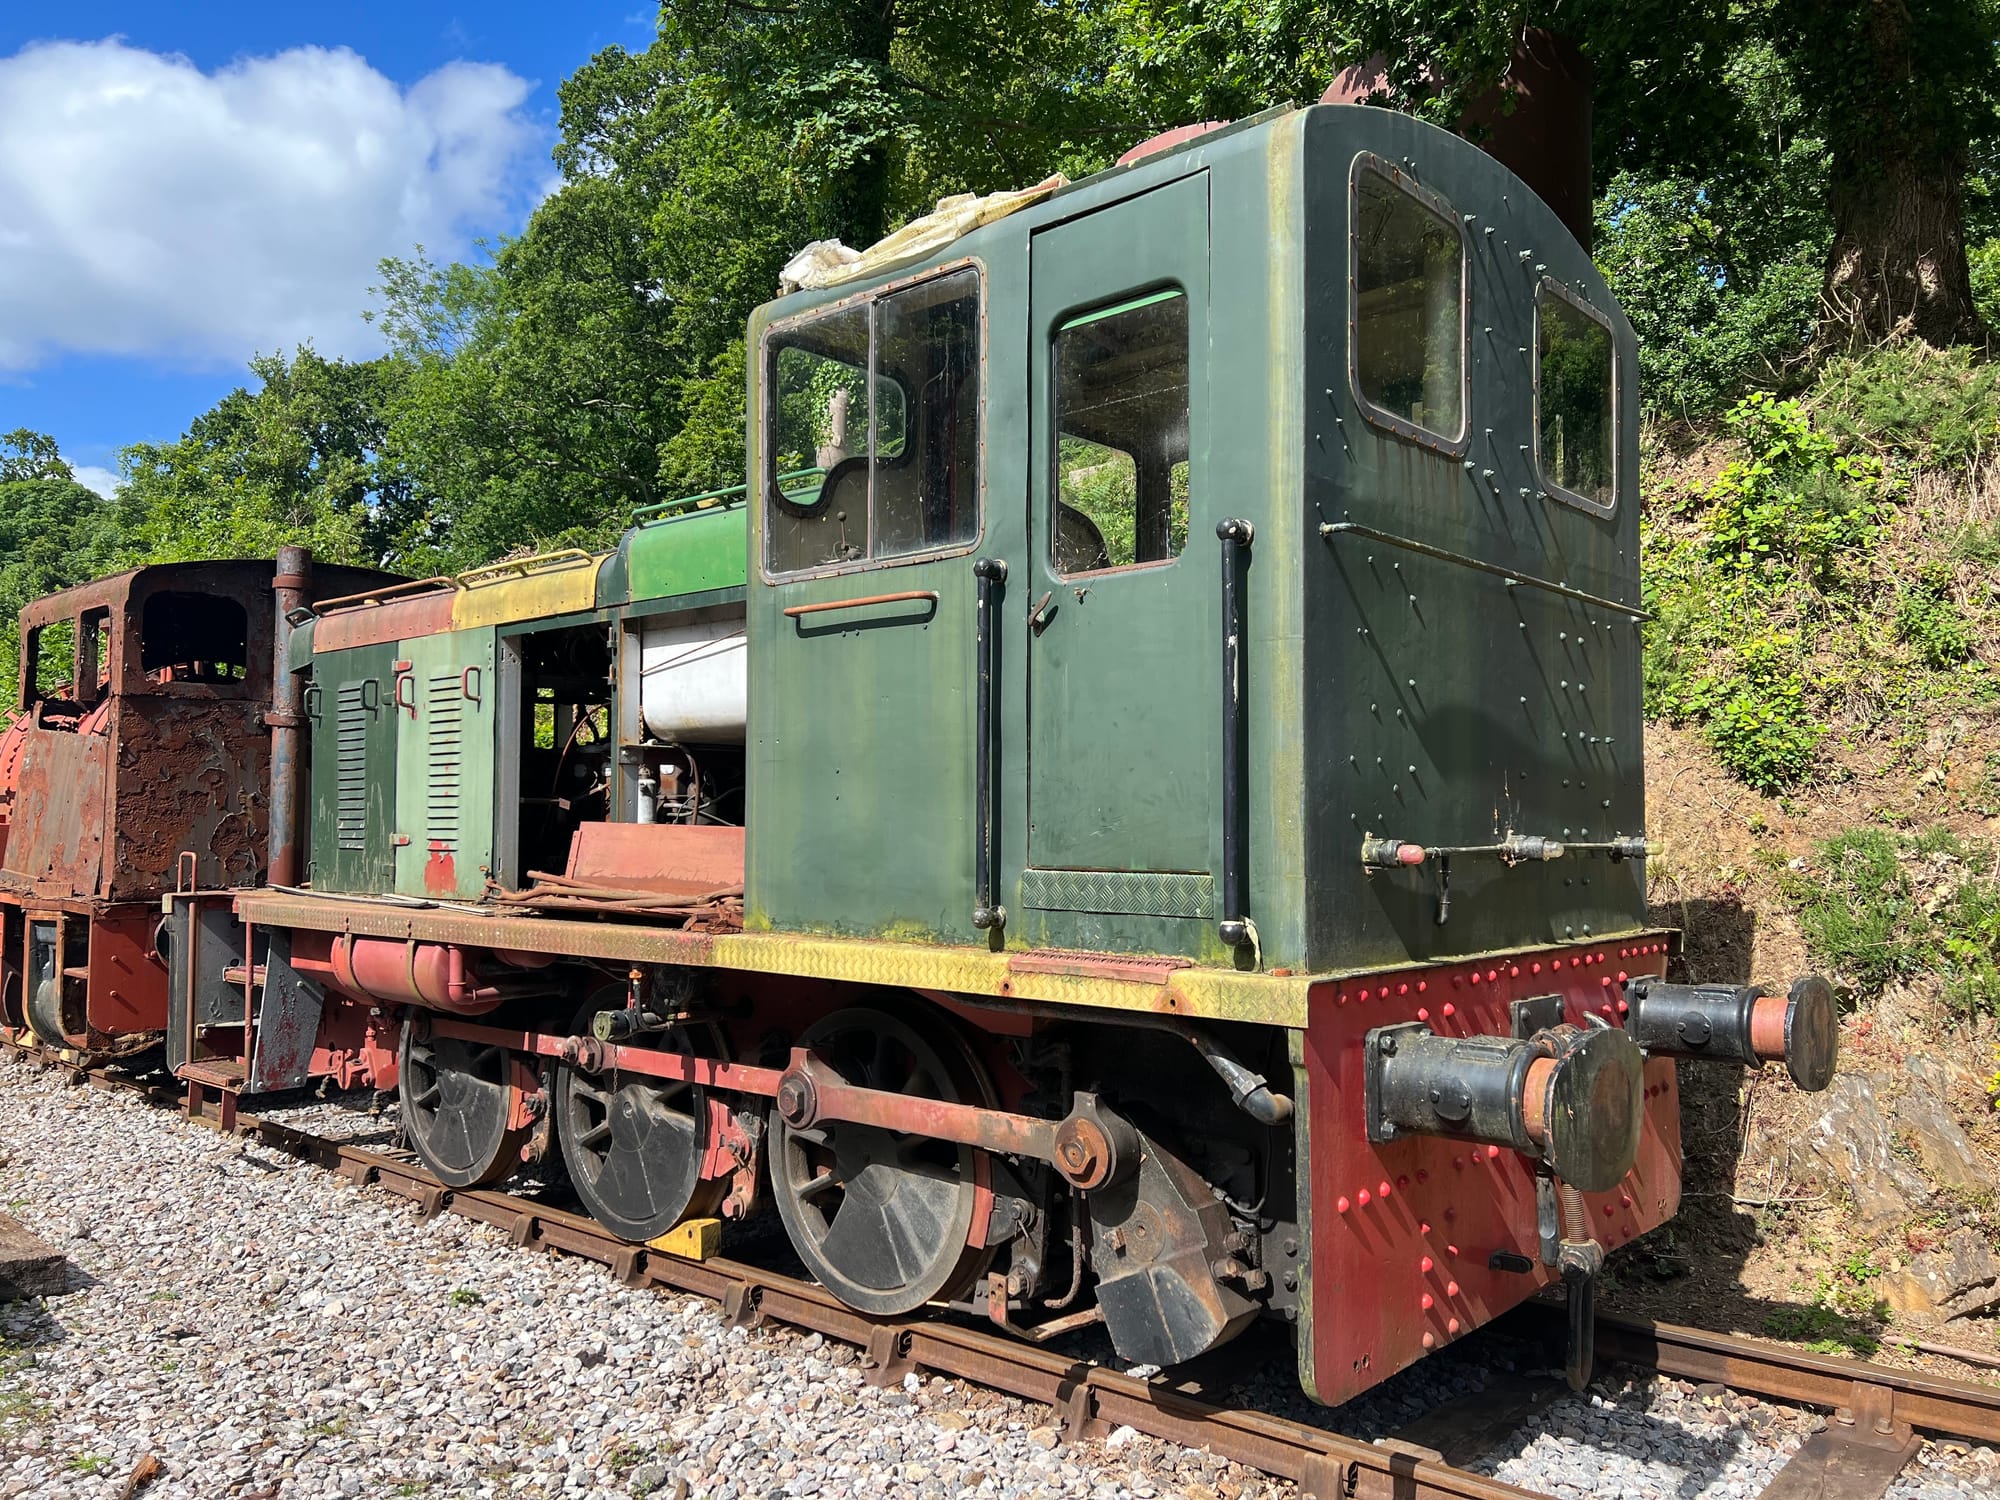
(1043, 612)
(991, 576)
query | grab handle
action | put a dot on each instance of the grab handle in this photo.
(991, 573)
(1234, 927)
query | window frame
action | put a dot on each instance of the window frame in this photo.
(768, 393)
(1125, 301)
(1437, 204)
(1548, 487)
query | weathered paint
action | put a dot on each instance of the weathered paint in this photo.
(1192, 992)
(559, 587)
(690, 553)
(1403, 1233)
(444, 766)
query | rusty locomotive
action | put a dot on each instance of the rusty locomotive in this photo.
(1132, 815)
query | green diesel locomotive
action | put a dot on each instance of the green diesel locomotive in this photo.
(1134, 813)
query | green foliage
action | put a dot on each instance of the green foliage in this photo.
(1936, 408)
(1930, 623)
(1876, 907)
(1843, 1317)
(53, 533)
(1765, 556)
(295, 461)
(1793, 500)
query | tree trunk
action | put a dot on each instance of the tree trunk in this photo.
(1897, 267)
(859, 193)
(1898, 261)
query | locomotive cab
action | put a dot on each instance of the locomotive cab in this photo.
(1336, 372)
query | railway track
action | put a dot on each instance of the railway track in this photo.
(1876, 1413)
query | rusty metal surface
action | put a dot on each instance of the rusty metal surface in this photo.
(675, 859)
(1930, 1403)
(1194, 992)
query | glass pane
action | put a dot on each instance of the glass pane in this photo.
(817, 493)
(1573, 375)
(1409, 338)
(927, 446)
(1121, 489)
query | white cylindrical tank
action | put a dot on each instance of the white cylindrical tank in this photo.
(695, 681)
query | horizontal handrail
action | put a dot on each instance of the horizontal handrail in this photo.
(378, 596)
(660, 510)
(1332, 529)
(520, 567)
(812, 609)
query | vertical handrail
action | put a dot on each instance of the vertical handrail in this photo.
(1234, 926)
(991, 572)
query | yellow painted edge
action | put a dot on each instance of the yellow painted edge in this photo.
(692, 1239)
(559, 591)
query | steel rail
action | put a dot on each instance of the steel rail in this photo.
(1092, 1400)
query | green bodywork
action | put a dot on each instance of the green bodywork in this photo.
(1389, 692)
(1437, 649)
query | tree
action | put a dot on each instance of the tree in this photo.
(54, 533)
(1894, 94)
(876, 104)
(297, 460)
(26, 455)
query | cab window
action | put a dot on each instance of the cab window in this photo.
(1576, 428)
(872, 429)
(1121, 481)
(1408, 337)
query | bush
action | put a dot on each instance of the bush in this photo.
(1793, 499)
(1934, 407)
(1929, 622)
(1876, 907)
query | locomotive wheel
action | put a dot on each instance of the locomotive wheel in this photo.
(634, 1144)
(44, 1013)
(879, 1217)
(457, 1099)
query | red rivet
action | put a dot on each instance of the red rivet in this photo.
(1428, 1302)
(1513, 971)
(1423, 1226)
(1607, 1210)
(1451, 1289)
(1537, 968)
(1384, 1189)
(1624, 1006)
(1605, 980)
(1362, 996)
(1621, 976)
(1402, 1179)
(1451, 1325)
(1428, 1264)
(1450, 1009)
(1491, 975)
(1491, 1152)
(1423, 1014)
(1423, 1175)
(1362, 1197)
(1430, 1340)
(1625, 1200)
(1457, 981)
(1422, 985)
(1624, 953)
(1451, 1250)
(1458, 1161)
(1475, 978)
(1342, 1205)
(1402, 989)
(1343, 998)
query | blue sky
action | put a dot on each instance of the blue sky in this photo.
(182, 186)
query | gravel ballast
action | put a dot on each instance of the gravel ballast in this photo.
(262, 1329)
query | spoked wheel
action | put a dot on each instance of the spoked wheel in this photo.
(634, 1144)
(458, 1099)
(882, 1218)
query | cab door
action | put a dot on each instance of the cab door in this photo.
(1122, 609)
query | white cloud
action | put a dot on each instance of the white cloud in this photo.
(149, 208)
(104, 481)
